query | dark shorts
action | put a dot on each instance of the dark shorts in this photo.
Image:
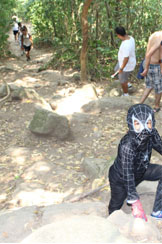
(27, 48)
(154, 78)
(15, 32)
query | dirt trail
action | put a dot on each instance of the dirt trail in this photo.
(20, 149)
(95, 135)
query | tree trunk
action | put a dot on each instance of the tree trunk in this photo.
(97, 17)
(83, 56)
(110, 22)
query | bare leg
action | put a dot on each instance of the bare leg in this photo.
(157, 100)
(145, 94)
(28, 55)
(125, 87)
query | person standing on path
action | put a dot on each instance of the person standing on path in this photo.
(26, 42)
(153, 69)
(126, 58)
(15, 29)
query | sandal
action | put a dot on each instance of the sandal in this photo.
(156, 110)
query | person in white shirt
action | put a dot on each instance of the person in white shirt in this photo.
(26, 42)
(126, 58)
(15, 29)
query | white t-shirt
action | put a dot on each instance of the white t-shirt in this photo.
(15, 26)
(26, 40)
(127, 49)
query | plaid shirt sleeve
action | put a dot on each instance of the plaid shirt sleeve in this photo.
(127, 160)
(157, 142)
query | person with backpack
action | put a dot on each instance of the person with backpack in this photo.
(26, 42)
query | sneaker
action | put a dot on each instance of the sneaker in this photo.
(129, 85)
(157, 215)
(125, 95)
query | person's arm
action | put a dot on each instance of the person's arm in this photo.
(127, 159)
(148, 57)
(160, 61)
(22, 43)
(157, 141)
(31, 40)
(125, 61)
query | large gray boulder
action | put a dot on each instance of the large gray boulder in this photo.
(78, 229)
(46, 122)
(135, 228)
(107, 103)
(55, 212)
(16, 224)
(96, 167)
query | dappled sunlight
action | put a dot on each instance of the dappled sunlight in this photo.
(43, 57)
(15, 66)
(69, 106)
(43, 168)
(18, 155)
(27, 81)
(74, 103)
(29, 194)
(3, 197)
(20, 160)
(37, 170)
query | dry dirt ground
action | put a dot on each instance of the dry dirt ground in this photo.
(96, 136)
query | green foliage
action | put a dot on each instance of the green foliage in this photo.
(57, 24)
(6, 8)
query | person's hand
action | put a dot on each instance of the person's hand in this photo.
(144, 73)
(120, 71)
(137, 210)
(115, 74)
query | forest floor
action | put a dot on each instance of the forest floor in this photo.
(20, 149)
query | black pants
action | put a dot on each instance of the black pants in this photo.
(119, 193)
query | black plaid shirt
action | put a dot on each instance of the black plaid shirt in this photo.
(132, 161)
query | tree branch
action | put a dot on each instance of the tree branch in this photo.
(86, 194)
(8, 93)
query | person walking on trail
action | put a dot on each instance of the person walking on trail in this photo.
(132, 164)
(153, 69)
(15, 29)
(19, 32)
(20, 37)
(126, 58)
(26, 42)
